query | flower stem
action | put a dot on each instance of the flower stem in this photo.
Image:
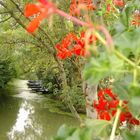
(131, 63)
(116, 121)
(135, 76)
(74, 19)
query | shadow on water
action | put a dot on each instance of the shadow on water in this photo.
(25, 117)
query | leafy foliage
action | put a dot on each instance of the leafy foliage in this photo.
(7, 72)
(92, 131)
(131, 135)
(102, 66)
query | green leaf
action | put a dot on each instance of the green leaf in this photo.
(121, 86)
(86, 134)
(134, 90)
(135, 105)
(101, 67)
(131, 135)
(99, 127)
(74, 136)
(64, 131)
(128, 42)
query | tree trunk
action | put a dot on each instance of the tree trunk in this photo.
(90, 92)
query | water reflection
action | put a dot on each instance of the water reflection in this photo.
(26, 117)
(25, 126)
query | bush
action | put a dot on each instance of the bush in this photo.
(7, 72)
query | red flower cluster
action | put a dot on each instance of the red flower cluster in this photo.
(75, 11)
(40, 10)
(107, 107)
(136, 20)
(71, 44)
(119, 3)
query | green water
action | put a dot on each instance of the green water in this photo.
(26, 116)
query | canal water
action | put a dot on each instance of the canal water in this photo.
(26, 116)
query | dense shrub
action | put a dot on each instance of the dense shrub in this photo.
(7, 72)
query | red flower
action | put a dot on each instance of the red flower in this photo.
(77, 49)
(64, 54)
(113, 113)
(71, 44)
(105, 116)
(41, 11)
(134, 121)
(74, 11)
(63, 49)
(109, 8)
(136, 19)
(110, 93)
(74, 6)
(104, 93)
(91, 39)
(45, 2)
(113, 104)
(122, 117)
(31, 9)
(107, 107)
(119, 3)
(128, 115)
(101, 106)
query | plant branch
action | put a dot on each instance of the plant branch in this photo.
(5, 12)
(112, 137)
(120, 55)
(5, 19)
(135, 77)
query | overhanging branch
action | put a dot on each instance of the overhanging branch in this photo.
(5, 19)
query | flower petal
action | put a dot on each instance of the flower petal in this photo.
(105, 116)
(119, 3)
(135, 121)
(34, 24)
(45, 2)
(31, 9)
